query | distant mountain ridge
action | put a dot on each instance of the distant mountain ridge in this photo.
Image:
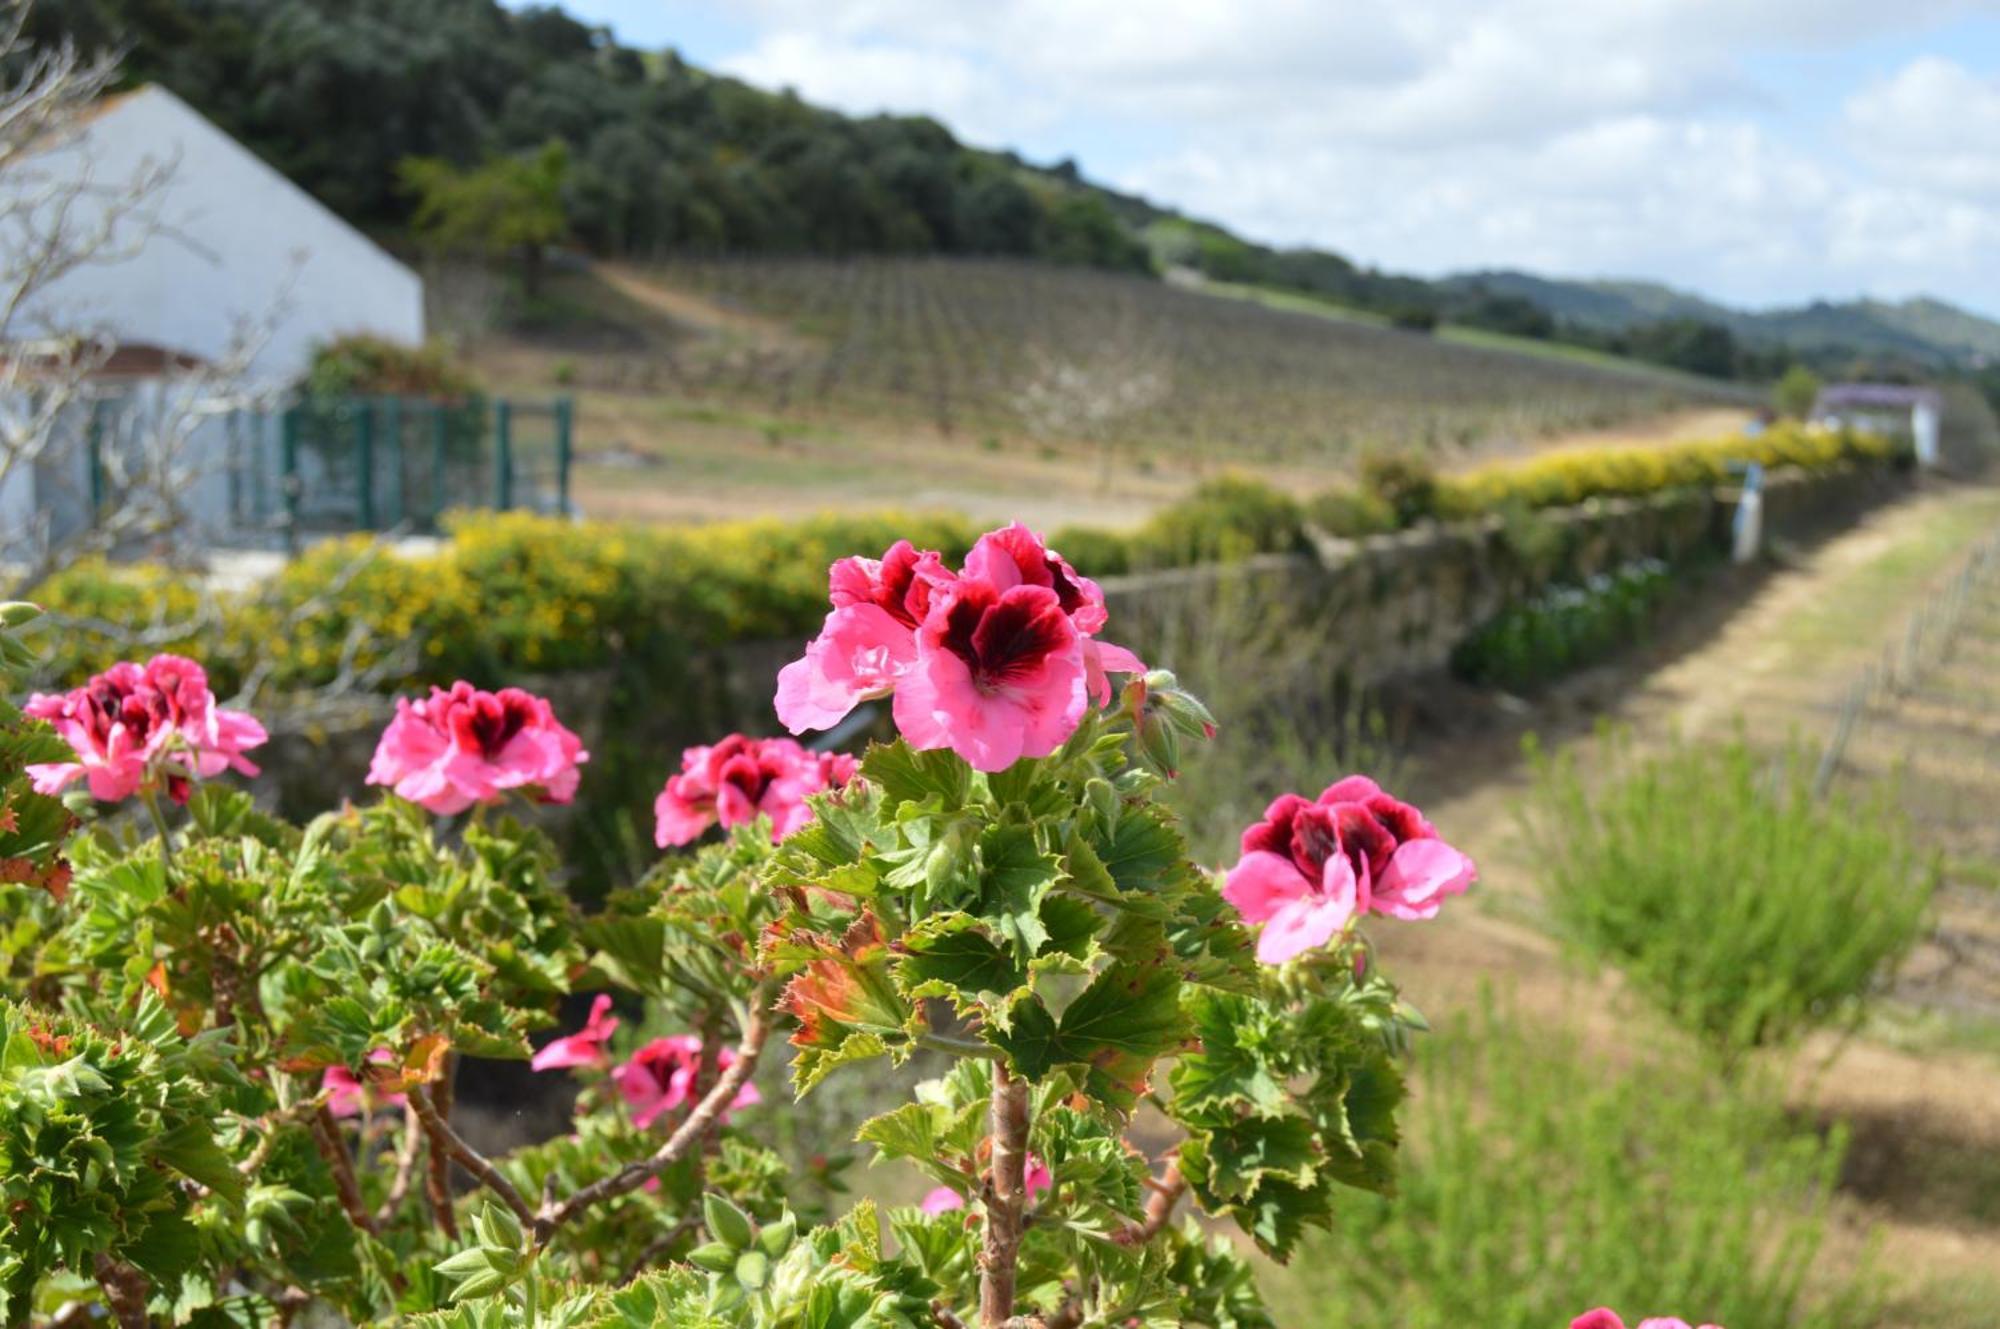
(1920, 328)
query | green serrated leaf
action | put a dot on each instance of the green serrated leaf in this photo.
(1015, 876)
(191, 1150)
(1115, 1030)
(908, 776)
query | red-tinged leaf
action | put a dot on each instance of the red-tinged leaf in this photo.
(845, 1002)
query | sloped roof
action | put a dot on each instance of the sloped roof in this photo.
(1836, 395)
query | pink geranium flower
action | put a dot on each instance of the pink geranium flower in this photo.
(995, 662)
(999, 676)
(585, 1047)
(135, 727)
(739, 779)
(944, 1199)
(660, 1077)
(1309, 868)
(463, 746)
(347, 1093)
(1604, 1318)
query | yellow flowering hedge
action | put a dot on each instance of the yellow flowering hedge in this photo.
(1559, 479)
(510, 594)
(514, 594)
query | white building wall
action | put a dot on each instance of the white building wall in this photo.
(239, 244)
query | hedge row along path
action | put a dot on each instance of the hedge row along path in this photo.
(1917, 1090)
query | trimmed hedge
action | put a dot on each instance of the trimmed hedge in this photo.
(516, 594)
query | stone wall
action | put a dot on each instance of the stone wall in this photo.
(1356, 612)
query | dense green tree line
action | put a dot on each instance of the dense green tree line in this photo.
(661, 156)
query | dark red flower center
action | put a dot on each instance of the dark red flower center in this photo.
(1399, 818)
(1320, 831)
(1004, 637)
(486, 722)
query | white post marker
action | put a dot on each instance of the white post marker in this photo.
(1747, 529)
(1924, 433)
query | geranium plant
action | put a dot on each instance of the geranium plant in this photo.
(227, 1088)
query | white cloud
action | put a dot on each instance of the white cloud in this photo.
(866, 77)
(1644, 137)
(1934, 124)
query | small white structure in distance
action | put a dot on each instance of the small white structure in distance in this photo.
(1885, 408)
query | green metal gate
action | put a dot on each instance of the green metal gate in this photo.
(386, 463)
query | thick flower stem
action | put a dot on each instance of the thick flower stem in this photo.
(333, 1148)
(453, 1146)
(437, 1162)
(1167, 1192)
(125, 1292)
(1005, 1197)
(689, 1135)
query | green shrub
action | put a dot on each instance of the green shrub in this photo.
(1403, 482)
(104, 605)
(1350, 511)
(1094, 551)
(1743, 909)
(1564, 627)
(1414, 318)
(1226, 518)
(368, 366)
(1541, 1182)
(1794, 394)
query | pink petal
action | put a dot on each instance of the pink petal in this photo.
(53, 777)
(1352, 789)
(1262, 882)
(942, 1201)
(1601, 1318)
(1301, 925)
(1420, 875)
(1100, 660)
(861, 652)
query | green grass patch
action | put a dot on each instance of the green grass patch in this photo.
(1541, 1182)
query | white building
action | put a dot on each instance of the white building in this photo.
(225, 242)
(221, 258)
(1885, 408)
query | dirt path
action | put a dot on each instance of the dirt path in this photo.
(1925, 1166)
(693, 312)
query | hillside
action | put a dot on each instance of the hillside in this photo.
(1927, 331)
(1010, 387)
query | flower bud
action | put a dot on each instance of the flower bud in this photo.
(1159, 748)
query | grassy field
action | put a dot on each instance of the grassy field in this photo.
(1006, 389)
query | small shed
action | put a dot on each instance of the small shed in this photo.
(1885, 408)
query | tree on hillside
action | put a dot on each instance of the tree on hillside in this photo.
(1795, 392)
(509, 205)
(1692, 344)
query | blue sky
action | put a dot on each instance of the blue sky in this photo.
(1760, 151)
